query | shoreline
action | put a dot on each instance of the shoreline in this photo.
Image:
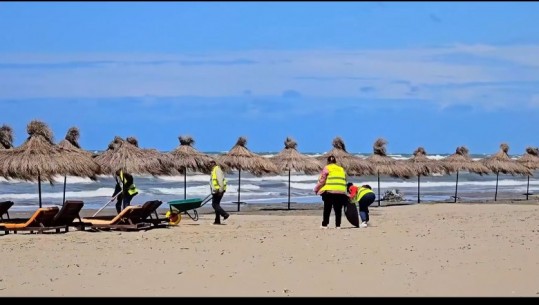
(313, 208)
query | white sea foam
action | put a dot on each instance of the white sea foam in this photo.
(100, 192)
(57, 180)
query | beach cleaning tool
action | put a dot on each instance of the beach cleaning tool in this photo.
(113, 198)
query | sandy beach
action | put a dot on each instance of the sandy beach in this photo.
(412, 250)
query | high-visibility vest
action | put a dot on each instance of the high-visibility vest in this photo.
(214, 182)
(336, 179)
(132, 188)
(362, 192)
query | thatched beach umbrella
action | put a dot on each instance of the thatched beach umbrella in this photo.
(502, 163)
(353, 165)
(461, 160)
(382, 164)
(71, 144)
(186, 157)
(423, 166)
(124, 155)
(39, 159)
(241, 158)
(6, 137)
(289, 159)
(531, 160)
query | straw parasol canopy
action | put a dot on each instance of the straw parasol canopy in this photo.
(6, 137)
(289, 159)
(423, 166)
(530, 160)
(39, 159)
(382, 164)
(122, 154)
(241, 158)
(502, 163)
(460, 161)
(71, 142)
(185, 157)
(352, 165)
(165, 159)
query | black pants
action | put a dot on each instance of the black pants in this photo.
(364, 204)
(125, 200)
(337, 201)
(216, 205)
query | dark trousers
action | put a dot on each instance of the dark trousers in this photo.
(337, 201)
(364, 204)
(123, 201)
(216, 205)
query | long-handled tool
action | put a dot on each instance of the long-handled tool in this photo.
(113, 198)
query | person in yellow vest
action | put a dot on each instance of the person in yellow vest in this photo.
(218, 188)
(332, 187)
(125, 185)
(364, 197)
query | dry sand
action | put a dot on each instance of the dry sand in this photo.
(414, 250)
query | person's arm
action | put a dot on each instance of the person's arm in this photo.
(117, 189)
(321, 180)
(353, 192)
(220, 178)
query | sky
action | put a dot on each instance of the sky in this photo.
(432, 74)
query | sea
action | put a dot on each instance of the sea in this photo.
(269, 189)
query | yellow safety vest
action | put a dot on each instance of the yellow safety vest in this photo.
(362, 192)
(336, 179)
(132, 189)
(214, 182)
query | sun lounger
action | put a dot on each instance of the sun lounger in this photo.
(149, 213)
(67, 215)
(4, 207)
(129, 219)
(40, 221)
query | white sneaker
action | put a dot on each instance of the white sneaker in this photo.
(338, 228)
(363, 224)
(323, 227)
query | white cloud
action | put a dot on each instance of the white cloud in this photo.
(422, 73)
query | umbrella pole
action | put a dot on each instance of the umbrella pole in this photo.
(39, 186)
(496, 193)
(185, 184)
(379, 188)
(239, 188)
(64, 199)
(418, 182)
(528, 188)
(456, 186)
(289, 189)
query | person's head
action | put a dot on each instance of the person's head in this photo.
(366, 186)
(213, 163)
(118, 172)
(348, 185)
(331, 159)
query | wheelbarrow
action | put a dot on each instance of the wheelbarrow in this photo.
(179, 207)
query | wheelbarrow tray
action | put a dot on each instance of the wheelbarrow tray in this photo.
(186, 204)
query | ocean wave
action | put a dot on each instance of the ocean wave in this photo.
(100, 192)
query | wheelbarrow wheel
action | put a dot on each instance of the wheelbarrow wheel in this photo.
(173, 218)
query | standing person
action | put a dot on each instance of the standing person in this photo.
(364, 197)
(332, 186)
(125, 185)
(218, 189)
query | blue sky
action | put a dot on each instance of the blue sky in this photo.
(437, 75)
